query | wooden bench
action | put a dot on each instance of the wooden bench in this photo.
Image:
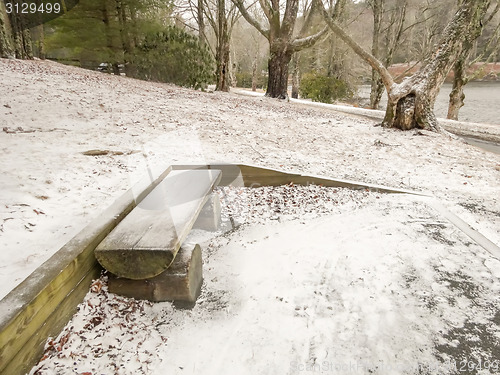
(147, 240)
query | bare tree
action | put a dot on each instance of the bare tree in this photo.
(281, 17)
(223, 30)
(388, 26)
(411, 102)
(221, 15)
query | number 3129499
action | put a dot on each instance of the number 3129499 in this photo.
(32, 8)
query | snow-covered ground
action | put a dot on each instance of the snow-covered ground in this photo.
(51, 115)
(315, 279)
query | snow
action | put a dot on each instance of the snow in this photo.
(371, 284)
(403, 286)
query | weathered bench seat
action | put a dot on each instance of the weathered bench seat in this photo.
(146, 242)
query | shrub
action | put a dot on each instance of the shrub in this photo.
(174, 56)
(244, 79)
(322, 88)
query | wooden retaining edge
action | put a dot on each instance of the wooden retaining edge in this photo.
(42, 304)
(255, 176)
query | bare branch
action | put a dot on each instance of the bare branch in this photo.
(266, 8)
(302, 43)
(365, 55)
(251, 20)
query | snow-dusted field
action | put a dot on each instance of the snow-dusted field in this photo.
(331, 294)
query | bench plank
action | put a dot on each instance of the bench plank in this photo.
(145, 243)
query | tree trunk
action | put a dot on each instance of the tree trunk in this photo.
(277, 83)
(457, 95)
(6, 50)
(282, 43)
(222, 49)
(254, 72)
(41, 42)
(21, 36)
(201, 22)
(222, 53)
(377, 89)
(414, 110)
(377, 9)
(112, 34)
(295, 76)
(223, 67)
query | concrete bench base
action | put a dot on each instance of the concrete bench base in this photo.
(180, 282)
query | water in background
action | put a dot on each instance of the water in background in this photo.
(482, 102)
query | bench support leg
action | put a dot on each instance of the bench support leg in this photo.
(180, 282)
(209, 218)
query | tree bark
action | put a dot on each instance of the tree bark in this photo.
(21, 36)
(377, 9)
(201, 22)
(277, 83)
(457, 95)
(295, 75)
(6, 50)
(126, 40)
(222, 52)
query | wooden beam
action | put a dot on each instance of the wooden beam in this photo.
(180, 282)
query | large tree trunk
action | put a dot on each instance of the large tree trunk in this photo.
(21, 36)
(6, 50)
(412, 106)
(277, 83)
(282, 43)
(223, 67)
